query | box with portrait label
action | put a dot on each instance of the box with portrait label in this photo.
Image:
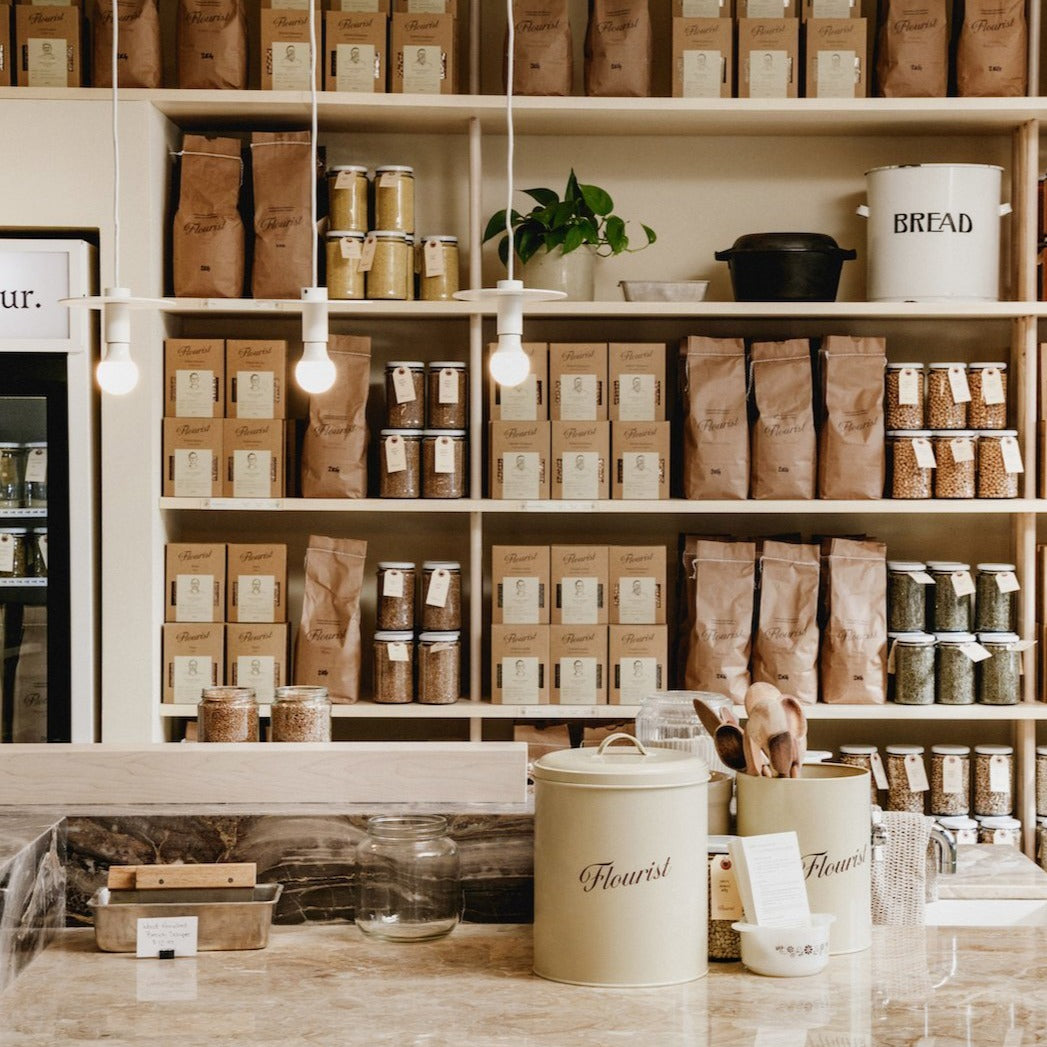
(768, 57)
(195, 582)
(750, 10)
(703, 53)
(426, 7)
(578, 381)
(194, 658)
(256, 590)
(636, 372)
(192, 458)
(256, 656)
(360, 6)
(640, 460)
(255, 449)
(580, 460)
(520, 664)
(637, 656)
(421, 54)
(836, 58)
(528, 401)
(6, 53)
(637, 584)
(285, 63)
(255, 378)
(519, 460)
(520, 584)
(703, 8)
(578, 576)
(831, 9)
(578, 661)
(354, 52)
(194, 377)
(48, 41)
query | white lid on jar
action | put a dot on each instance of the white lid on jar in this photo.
(817, 756)
(998, 821)
(389, 234)
(948, 566)
(994, 750)
(955, 434)
(982, 364)
(905, 750)
(857, 750)
(459, 433)
(440, 238)
(393, 636)
(995, 567)
(402, 168)
(940, 366)
(36, 443)
(446, 365)
(14, 530)
(443, 637)
(6, 446)
(345, 234)
(39, 530)
(905, 566)
(395, 565)
(998, 638)
(951, 750)
(914, 639)
(411, 365)
(954, 637)
(407, 434)
(446, 565)
(900, 367)
(911, 434)
(357, 168)
(1041, 750)
(997, 432)
(956, 821)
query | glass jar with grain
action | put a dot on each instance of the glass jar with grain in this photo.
(912, 655)
(861, 756)
(954, 463)
(950, 779)
(438, 269)
(999, 463)
(993, 779)
(347, 194)
(442, 595)
(1000, 676)
(443, 463)
(995, 601)
(953, 596)
(405, 394)
(912, 463)
(1002, 830)
(394, 198)
(955, 670)
(988, 406)
(906, 778)
(905, 396)
(439, 668)
(38, 552)
(947, 396)
(391, 272)
(447, 394)
(906, 596)
(345, 280)
(400, 464)
(300, 714)
(36, 474)
(1041, 781)
(394, 666)
(963, 828)
(12, 476)
(227, 714)
(15, 557)
(396, 585)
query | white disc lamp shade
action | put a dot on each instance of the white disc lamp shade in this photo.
(117, 373)
(315, 372)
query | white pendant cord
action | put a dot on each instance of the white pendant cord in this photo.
(313, 102)
(510, 139)
(116, 148)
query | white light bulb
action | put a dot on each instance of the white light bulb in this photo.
(117, 374)
(509, 365)
(315, 372)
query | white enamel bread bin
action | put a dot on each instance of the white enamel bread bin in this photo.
(620, 865)
(934, 232)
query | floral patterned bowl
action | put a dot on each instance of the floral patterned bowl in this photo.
(786, 952)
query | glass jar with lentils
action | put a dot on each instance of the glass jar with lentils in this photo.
(396, 585)
(904, 765)
(301, 714)
(442, 599)
(950, 779)
(405, 394)
(227, 714)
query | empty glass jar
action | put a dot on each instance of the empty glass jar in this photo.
(407, 878)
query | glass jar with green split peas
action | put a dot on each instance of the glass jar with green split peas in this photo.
(438, 268)
(347, 196)
(391, 270)
(345, 279)
(394, 198)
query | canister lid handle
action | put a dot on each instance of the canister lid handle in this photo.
(621, 736)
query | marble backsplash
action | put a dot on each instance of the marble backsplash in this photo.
(311, 855)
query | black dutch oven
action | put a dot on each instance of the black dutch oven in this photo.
(785, 267)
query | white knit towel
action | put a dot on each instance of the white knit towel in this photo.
(899, 878)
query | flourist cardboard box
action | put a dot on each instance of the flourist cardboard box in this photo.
(285, 62)
(578, 379)
(354, 52)
(637, 584)
(580, 453)
(578, 574)
(256, 378)
(703, 58)
(192, 458)
(637, 380)
(49, 46)
(640, 460)
(254, 450)
(256, 656)
(520, 585)
(528, 401)
(638, 662)
(195, 582)
(194, 658)
(421, 54)
(768, 57)
(578, 659)
(836, 58)
(194, 377)
(257, 583)
(520, 460)
(520, 664)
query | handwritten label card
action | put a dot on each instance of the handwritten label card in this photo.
(174, 935)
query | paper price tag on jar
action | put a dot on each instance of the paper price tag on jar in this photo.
(403, 385)
(952, 775)
(992, 386)
(975, 652)
(999, 774)
(962, 583)
(725, 903)
(916, 773)
(7, 554)
(433, 257)
(908, 387)
(395, 455)
(439, 587)
(1007, 582)
(962, 450)
(961, 391)
(922, 577)
(345, 179)
(1012, 455)
(444, 457)
(398, 652)
(448, 386)
(393, 583)
(36, 466)
(350, 247)
(924, 453)
(879, 772)
(890, 659)
(367, 260)
(41, 544)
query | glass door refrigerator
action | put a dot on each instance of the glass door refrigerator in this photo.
(48, 494)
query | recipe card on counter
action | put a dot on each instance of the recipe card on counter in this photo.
(770, 879)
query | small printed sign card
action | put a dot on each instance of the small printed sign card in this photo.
(167, 937)
(770, 879)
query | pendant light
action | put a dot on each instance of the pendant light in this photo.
(509, 364)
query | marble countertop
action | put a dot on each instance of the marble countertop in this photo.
(993, 871)
(329, 985)
(20, 829)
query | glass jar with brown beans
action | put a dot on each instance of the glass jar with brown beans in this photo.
(955, 468)
(905, 397)
(947, 396)
(988, 406)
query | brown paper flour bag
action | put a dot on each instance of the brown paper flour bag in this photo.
(716, 434)
(207, 237)
(785, 649)
(913, 49)
(851, 442)
(724, 585)
(139, 61)
(281, 165)
(212, 44)
(783, 437)
(854, 641)
(334, 453)
(327, 651)
(543, 60)
(992, 54)
(618, 49)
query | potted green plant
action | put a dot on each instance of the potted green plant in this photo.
(557, 241)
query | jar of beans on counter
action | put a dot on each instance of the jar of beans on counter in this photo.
(301, 714)
(1002, 830)
(227, 714)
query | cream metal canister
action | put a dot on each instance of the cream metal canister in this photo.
(829, 810)
(620, 865)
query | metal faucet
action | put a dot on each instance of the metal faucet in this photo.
(943, 843)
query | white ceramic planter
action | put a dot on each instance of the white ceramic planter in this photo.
(572, 273)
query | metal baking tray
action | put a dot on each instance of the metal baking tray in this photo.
(230, 918)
